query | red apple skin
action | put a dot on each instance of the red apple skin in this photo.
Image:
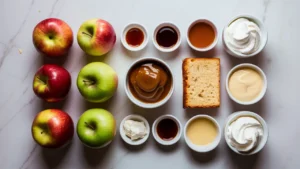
(52, 128)
(52, 83)
(99, 42)
(105, 36)
(52, 37)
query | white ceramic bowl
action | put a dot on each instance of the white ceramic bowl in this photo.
(166, 49)
(134, 48)
(127, 139)
(137, 101)
(257, 69)
(263, 140)
(203, 148)
(264, 37)
(161, 141)
(208, 47)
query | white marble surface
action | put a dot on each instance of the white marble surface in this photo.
(18, 104)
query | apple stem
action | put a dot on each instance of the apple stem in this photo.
(89, 82)
(90, 126)
(87, 34)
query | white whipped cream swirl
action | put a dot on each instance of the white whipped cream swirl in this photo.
(244, 133)
(243, 36)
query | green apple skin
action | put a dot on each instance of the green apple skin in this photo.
(96, 128)
(97, 82)
(96, 37)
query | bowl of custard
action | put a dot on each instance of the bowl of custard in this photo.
(246, 84)
(149, 82)
(202, 133)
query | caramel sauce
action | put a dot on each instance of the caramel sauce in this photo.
(134, 37)
(150, 82)
(201, 35)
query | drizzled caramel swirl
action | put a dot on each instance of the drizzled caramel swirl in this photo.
(149, 82)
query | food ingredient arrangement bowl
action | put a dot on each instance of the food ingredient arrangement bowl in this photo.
(127, 139)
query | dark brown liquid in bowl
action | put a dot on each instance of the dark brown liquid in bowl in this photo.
(166, 37)
(149, 81)
(167, 129)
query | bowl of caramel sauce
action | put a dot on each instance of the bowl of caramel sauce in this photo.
(149, 82)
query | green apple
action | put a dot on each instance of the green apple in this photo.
(97, 82)
(96, 128)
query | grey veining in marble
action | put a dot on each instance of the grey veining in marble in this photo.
(19, 61)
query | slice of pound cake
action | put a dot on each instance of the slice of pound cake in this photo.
(201, 82)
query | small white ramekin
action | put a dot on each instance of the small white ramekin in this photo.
(263, 140)
(264, 37)
(208, 47)
(203, 148)
(127, 139)
(166, 49)
(257, 69)
(164, 142)
(134, 48)
(137, 101)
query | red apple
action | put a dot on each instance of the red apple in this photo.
(52, 83)
(52, 128)
(96, 37)
(52, 37)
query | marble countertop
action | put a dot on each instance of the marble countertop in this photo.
(19, 60)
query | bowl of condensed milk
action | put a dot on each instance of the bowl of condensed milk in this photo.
(246, 84)
(202, 133)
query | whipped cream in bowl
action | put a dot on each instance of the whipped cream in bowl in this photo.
(246, 133)
(244, 36)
